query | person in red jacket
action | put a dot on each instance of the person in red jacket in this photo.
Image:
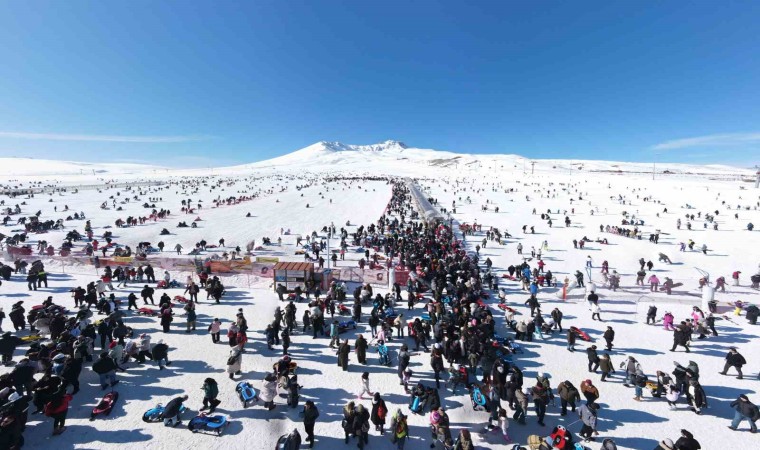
(58, 408)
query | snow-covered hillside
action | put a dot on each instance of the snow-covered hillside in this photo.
(320, 185)
(388, 157)
(20, 167)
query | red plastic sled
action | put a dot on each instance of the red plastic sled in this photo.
(559, 438)
(106, 405)
(180, 299)
(581, 333)
(147, 312)
(504, 307)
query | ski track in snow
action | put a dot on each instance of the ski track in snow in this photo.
(633, 425)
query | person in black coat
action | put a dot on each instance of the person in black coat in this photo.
(379, 412)
(23, 376)
(686, 442)
(593, 359)
(361, 426)
(609, 336)
(17, 316)
(310, 415)
(44, 389)
(147, 293)
(105, 367)
(360, 347)
(160, 354)
(734, 359)
(680, 337)
(436, 363)
(285, 341)
(8, 344)
(72, 367)
(349, 412)
(533, 303)
(652, 314)
(343, 352)
(172, 410)
(745, 410)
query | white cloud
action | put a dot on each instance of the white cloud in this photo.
(98, 137)
(712, 140)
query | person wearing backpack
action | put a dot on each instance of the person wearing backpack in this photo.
(58, 408)
(745, 410)
(568, 395)
(379, 412)
(400, 430)
(210, 392)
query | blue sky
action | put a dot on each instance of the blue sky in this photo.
(190, 83)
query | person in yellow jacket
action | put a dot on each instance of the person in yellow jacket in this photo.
(400, 430)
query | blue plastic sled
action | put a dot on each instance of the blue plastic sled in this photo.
(246, 393)
(210, 424)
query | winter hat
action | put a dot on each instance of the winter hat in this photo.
(377, 396)
(666, 444)
(365, 375)
(686, 433)
(588, 382)
(540, 374)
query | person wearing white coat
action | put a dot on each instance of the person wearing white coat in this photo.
(672, 396)
(235, 360)
(365, 387)
(595, 310)
(268, 391)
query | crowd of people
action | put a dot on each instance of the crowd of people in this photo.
(451, 290)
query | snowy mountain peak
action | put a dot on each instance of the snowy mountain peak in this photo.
(382, 146)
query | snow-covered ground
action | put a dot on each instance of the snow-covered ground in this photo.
(280, 205)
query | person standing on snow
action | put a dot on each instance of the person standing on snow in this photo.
(745, 410)
(609, 336)
(310, 415)
(235, 360)
(210, 392)
(364, 387)
(588, 415)
(734, 359)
